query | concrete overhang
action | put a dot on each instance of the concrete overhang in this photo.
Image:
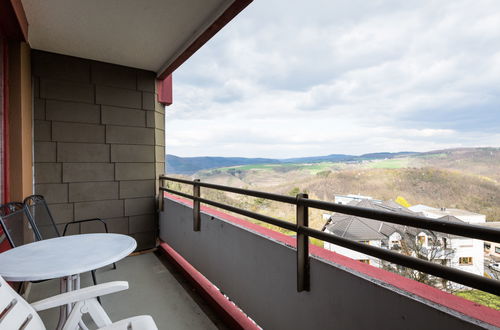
(155, 35)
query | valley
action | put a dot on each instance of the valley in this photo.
(467, 178)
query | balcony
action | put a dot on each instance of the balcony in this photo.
(98, 141)
(214, 270)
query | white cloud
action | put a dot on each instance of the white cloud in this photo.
(299, 78)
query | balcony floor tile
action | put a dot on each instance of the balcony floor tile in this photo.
(153, 289)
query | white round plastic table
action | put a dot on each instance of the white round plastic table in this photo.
(64, 256)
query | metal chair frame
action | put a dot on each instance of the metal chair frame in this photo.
(7, 210)
(40, 200)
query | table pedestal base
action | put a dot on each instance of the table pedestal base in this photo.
(67, 284)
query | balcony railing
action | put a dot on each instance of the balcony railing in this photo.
(303, 231)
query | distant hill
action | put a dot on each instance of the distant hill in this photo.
(466, 178)
(191, 165)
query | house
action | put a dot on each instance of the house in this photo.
(436, 213)
(492, 249)
(346, 199)
(458, 252)
(367, 231)
(469, 253)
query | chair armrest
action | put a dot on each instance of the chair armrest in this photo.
(85, 220)
(80, 294)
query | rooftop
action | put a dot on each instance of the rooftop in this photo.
(359, 228)
(492, 224)
(443, 211)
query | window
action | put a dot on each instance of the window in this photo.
(465, 260)
(421, 239)
(365, 261)
(497, 249)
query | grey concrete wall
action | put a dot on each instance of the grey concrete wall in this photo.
(259, 275)
(99, 143)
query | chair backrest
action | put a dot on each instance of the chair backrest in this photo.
(40, 217)
(12, 220)
(15, 312)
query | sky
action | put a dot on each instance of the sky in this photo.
(290, 78)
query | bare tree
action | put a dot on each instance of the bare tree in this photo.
(429, 248)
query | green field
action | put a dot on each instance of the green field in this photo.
(481, 297)
(390, 163)
(312, 168)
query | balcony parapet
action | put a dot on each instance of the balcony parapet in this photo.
(255, 267)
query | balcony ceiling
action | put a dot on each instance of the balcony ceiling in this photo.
(150, 34)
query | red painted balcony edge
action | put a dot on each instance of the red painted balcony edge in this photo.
(230, 313)
(448, 300)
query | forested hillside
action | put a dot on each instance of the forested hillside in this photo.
(459, 178)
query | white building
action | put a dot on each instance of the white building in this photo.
(363, 230)
(436, 213)
(458, 252)
(346, 199)
(469, 253)
(492, 249)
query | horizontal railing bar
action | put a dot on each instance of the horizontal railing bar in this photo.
(273, 221)
(465, 278)
(253, 193)
(452, 274)
(169, 178)
(467, 230)
(177, 192)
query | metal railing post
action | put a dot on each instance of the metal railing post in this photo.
(196, 206)
(302, 246)
(160, 195)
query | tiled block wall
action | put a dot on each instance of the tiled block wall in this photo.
(99, 144)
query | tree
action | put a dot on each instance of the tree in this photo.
(294, 191)
(402, 201)
(425, 245)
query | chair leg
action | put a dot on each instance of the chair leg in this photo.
(20, 288)
(95, 283)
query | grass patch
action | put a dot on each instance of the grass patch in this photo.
(316, 242)
(481, 297)
(313, 168)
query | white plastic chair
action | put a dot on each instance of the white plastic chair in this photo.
(16, 313)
